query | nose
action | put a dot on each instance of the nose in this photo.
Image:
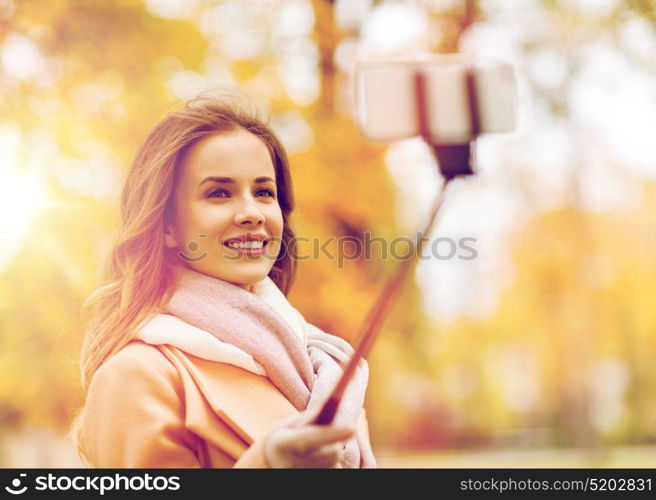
(248, 213)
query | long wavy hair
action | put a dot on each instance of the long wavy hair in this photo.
(137, 277)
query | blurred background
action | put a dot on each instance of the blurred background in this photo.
(534, 354)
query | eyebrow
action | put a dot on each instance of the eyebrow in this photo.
(229, 180)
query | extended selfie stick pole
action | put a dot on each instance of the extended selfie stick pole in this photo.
(376, 316)
(453, 161)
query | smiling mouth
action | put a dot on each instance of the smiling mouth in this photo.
(246, 245)
(250, 248)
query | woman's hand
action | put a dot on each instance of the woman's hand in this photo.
(329, 354)
(298, 443)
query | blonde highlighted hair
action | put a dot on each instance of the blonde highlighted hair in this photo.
(137, 279)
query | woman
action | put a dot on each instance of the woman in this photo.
(193, 356)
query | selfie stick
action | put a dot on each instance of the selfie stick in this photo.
(453, 161)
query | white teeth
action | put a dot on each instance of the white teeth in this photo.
(246, 244)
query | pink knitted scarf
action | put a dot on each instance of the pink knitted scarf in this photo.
(304, 375)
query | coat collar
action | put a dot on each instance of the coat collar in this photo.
(245, 403)
(221, 380)
(166, 329)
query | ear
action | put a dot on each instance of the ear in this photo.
(169, 239)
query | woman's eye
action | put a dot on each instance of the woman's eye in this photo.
(267, 192)
(218, 193)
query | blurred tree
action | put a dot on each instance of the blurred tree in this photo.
(83, 82)
(113, 69)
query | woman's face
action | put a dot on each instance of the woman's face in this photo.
(226, 189)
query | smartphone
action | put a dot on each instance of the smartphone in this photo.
(457, 99)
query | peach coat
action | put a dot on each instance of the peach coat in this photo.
(153, 405)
